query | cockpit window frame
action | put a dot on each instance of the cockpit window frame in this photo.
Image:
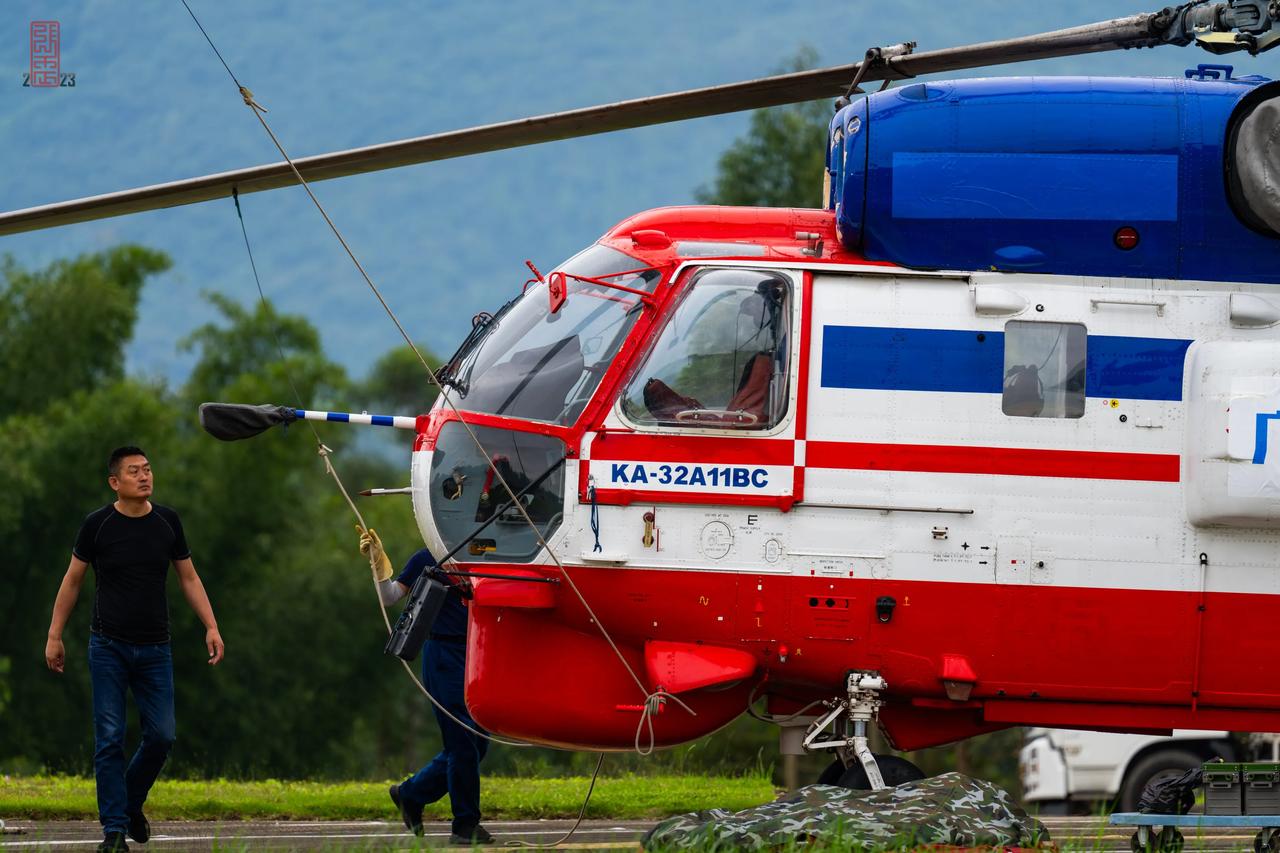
(571, 414)
(683, 280)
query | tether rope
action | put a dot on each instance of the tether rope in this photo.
(581, 814)
(325, 453)
(258, 110)
(652, 700)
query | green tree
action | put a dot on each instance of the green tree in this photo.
(305, 689)
(780, 161)
(397, 384)
(63, 399)
(62, 328)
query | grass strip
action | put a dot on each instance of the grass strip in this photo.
(622, 797)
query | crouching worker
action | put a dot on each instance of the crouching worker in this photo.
(130, 544)
(456, 770)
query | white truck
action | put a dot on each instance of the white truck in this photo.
(1065, 770)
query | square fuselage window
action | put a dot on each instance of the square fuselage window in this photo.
(1044, 369)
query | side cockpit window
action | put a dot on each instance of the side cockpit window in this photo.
(721, 360)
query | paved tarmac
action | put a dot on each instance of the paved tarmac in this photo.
(312, 835)
(19, 836)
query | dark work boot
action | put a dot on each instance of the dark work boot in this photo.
(411, 814)
(475, 835)
(113, 843)
(139, 827)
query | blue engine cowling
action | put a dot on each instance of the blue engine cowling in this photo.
(1040, 173)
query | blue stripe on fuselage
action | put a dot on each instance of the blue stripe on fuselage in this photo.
(887, 359)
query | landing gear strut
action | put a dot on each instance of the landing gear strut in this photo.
(848, 718)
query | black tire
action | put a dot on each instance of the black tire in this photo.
(894, 769)
(831, 776)
(1164, 764)
(1170, 840)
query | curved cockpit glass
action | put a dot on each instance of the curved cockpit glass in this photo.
(721, 359)
(537, 365)
(476, 515)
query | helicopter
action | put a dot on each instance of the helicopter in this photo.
(992, 438)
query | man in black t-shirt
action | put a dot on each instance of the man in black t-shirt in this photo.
(130, 544)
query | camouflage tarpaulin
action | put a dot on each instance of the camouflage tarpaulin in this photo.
(950, 809)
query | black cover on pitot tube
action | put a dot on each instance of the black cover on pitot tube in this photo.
(234, 421)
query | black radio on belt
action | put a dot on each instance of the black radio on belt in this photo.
(414, 625)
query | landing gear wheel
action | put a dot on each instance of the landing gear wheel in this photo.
(831, 776)
(893, 769)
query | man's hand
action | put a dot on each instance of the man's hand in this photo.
(55, 655)
(371, 547)
(213, 640)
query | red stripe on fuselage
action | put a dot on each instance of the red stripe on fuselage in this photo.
(1020, 461)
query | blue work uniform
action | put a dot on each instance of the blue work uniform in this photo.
(456, 769)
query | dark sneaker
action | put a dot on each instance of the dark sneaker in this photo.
(409, 813)
(139, 828)
(476, 835)
(113, 843)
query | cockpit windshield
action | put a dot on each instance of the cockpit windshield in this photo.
(536, 365)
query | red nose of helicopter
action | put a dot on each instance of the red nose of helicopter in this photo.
(553, 656)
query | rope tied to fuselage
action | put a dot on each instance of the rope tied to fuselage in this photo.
(258, 111)
(653, 705)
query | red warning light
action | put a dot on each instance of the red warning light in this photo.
(1126, 237)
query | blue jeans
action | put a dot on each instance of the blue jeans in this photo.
(114, 667)
(456, 770)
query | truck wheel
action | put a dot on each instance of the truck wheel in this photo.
(1153, 767)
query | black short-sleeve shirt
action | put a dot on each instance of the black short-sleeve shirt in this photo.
(130, 558)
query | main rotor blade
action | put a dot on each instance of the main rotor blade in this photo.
(1134, 31)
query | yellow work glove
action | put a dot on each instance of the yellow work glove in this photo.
(371, 547)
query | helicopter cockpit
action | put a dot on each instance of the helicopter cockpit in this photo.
(530, 363)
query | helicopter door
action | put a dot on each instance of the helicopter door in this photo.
(1232, 452)
(708, 417)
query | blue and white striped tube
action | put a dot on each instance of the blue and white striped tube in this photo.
(397, 421)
